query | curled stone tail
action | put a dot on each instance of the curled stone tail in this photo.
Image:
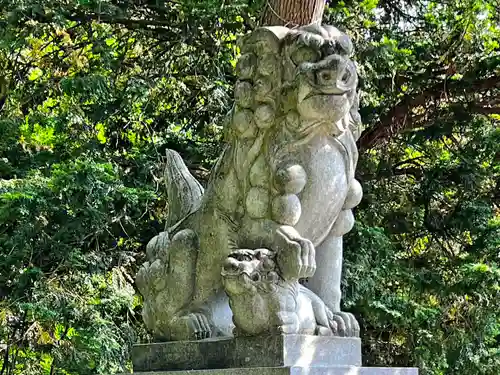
(184, 192)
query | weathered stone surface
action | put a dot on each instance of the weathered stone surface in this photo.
(257, 203)
(248, 352)
(337, 370)
(286, 209)
(285, 182)
(290, 179)
(264, 302)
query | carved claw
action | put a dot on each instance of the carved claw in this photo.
(193, 326)
(296, 255)
(323, 331)
(344, 324)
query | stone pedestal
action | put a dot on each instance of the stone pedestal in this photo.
(264, 355)
(337, 370)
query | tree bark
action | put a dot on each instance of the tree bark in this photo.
(293, 13)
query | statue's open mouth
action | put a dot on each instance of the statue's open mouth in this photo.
(308, 89)
(255, 276)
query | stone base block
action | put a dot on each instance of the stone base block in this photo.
(293, 351)
(337, 370)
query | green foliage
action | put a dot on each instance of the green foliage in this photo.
(68, 241)
(93, 92)
(422, 270)
(91, 95)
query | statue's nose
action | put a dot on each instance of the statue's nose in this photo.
(231, 265)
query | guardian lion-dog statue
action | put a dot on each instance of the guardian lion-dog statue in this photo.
(284, 182)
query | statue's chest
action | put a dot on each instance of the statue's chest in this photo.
(326, 188)
(324, 161)
(303, 185)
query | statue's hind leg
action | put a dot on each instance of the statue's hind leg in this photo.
(167, 281)
(207, 312)
(326, 280)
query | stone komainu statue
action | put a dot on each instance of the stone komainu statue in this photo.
(278, 305)
(284, 182)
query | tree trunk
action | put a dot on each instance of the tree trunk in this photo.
(293, 12)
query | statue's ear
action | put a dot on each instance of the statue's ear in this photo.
(258, 254)
(341, 38)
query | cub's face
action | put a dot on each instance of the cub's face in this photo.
(248, 271)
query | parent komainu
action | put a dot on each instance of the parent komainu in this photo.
(284, 182)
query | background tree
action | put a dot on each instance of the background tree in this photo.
(293, 12)
(91, 94)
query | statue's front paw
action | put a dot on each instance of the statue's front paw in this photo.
(344, 324)
(193, 326)
(296, 255)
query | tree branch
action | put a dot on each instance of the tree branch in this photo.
(401, 117)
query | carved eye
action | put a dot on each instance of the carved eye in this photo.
(326, 77)
(256, 277)
(235, 267)
(304, 54)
